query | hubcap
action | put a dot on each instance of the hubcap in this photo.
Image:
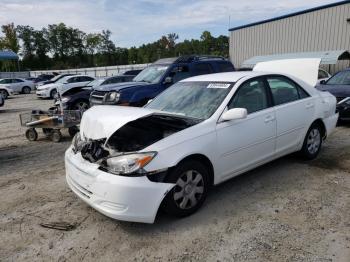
(189, 189)
(313, 141)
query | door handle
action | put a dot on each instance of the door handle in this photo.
(309, 105)
(269, 119)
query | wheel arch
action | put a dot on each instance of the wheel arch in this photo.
(320, 122)
(202, 159)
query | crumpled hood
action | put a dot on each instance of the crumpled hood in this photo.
(102, 121)
(119, 86)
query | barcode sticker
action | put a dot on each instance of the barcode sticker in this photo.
(218, 85)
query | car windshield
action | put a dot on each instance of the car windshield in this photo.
(54, 79)
(341, 78)
(95, 83)
(151, 74)
(192, 99)
(62, 80)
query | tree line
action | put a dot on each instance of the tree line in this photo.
(59, 46)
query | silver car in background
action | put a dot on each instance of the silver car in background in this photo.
(17, 85)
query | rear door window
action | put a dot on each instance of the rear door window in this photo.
(284, 90)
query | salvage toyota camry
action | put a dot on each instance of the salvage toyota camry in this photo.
(129, 162)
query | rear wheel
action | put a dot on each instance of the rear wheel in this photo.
(26, 90)
(53, 93)
(189, 193)
(312, 142)
(4, 94)
(31, 134)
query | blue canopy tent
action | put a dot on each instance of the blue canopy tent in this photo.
(7, 55)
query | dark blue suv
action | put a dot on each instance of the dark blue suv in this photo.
(156, 78)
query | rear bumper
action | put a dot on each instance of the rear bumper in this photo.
(134, 199)
(330, 123)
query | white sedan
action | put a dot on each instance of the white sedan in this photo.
(62, 85)
(17, 85)
(127, 162)
(5, 91)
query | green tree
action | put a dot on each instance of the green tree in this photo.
(10, 40)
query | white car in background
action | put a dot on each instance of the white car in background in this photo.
(17, 85)
(5, 91)
(126, 162)
(62, 85)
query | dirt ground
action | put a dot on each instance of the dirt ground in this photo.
(288, 210)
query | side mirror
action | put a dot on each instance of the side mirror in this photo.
(149, 101)
(234, 113)
(168, 80)
(322, 82)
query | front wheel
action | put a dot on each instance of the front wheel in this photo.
(53, 93)
(4, 94)
(189, 193)
(31, 134)
(312, 142)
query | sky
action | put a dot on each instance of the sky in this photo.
(135, 22)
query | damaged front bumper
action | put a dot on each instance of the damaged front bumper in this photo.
(135, 199)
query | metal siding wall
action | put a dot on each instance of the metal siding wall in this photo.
(325, 29)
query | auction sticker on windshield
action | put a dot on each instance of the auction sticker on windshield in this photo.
(218, 85)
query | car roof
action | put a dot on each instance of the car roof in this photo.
(224, 77)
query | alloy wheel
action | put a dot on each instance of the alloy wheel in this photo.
(313, 141)
(189, 189)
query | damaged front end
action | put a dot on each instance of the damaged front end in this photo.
(119, 153)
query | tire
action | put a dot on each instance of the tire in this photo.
(56, 136)
(53, 93)
(26, 90)
(81, 105)
(4, 94)
(312, 142)
(192, 184)
(31, 134)
(73, 130)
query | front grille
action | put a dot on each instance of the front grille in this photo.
(97, 97)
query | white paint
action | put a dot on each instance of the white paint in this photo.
(233, 147)
(102, 121)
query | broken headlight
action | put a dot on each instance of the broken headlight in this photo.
(112, 97)
(129, 163)
(77, 143)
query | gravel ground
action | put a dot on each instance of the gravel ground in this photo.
(288, 210)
